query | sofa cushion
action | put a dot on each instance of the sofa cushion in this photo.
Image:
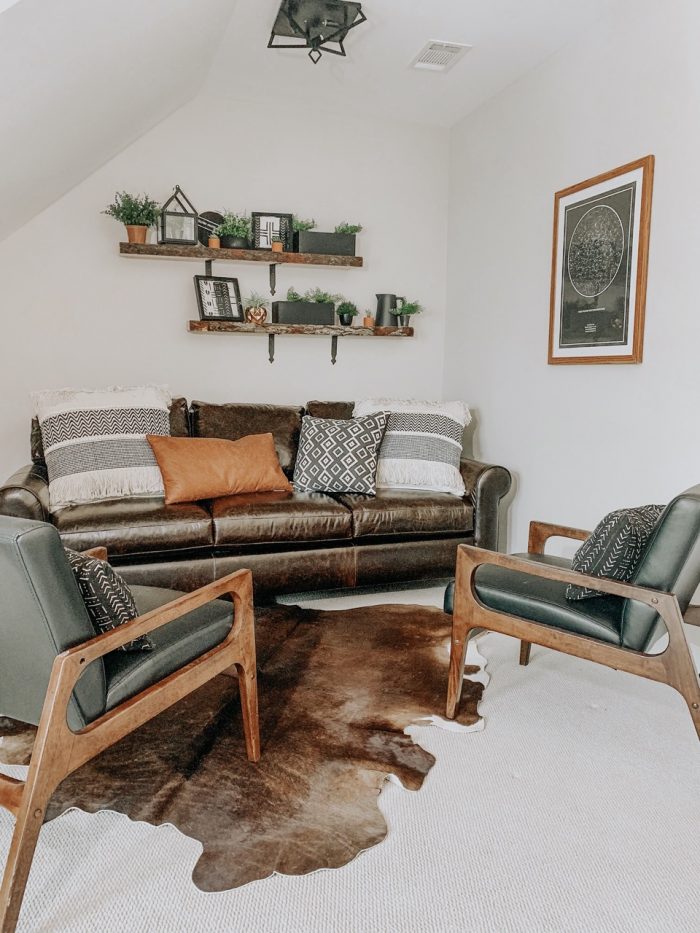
(279, 518)
(338, 410)
(339, 455)
(233, 421)
(174, 645)
(408, 512)
(134, 526)
(544, 601)
(179, 427)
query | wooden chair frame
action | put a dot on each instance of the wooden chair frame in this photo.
(58, 751)
(673, 666)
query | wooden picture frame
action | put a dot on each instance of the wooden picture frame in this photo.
(218, 298)
(600, 260)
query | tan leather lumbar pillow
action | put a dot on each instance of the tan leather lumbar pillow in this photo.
(207, 468)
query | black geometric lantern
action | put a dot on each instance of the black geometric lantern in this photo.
(178, 220)
(317, 25)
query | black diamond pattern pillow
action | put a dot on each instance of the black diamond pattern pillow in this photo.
(615, 548)
(107, 597)
(339, 456)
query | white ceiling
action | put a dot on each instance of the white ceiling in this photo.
(509, 37)
(82, 79)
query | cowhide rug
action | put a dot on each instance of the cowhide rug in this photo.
(337, 690)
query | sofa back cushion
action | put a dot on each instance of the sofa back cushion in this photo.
(235, 420)
(179, 427)
(339, 411)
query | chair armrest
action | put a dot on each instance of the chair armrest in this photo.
(541, 532)
(26, 494)
(470, 558)
(238, 584)
(486, 485)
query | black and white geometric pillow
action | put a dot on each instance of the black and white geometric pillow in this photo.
(615, 548)
(339, 456)
(107, 597)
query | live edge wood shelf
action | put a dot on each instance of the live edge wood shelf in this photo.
(203, 253)
(305, 330)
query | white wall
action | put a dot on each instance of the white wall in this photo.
(76, 313)
(581, 440)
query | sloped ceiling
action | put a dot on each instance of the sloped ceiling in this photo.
(81, 79)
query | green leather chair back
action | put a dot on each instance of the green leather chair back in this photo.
(41, 614)
(671, 563)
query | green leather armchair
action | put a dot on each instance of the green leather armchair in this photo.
(523, 595)
(83, 694)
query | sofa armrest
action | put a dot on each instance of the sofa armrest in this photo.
(26, 494)
(486, 485)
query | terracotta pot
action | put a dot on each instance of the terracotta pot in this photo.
(214, 242)
(278, 247)
(136, 233)
(368, 322)
(256, 315)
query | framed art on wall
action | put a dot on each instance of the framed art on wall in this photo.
(599, 267)
(218, 299)
(269, 227)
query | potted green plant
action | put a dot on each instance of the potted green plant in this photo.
(339, 243)
(256, 308)
(234, 232)
(313, 307)
(405, 312)
(137, 212)
(346, 311)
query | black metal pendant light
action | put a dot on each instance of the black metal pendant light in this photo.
(316, 25)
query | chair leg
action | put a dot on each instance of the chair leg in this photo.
(458, 653)
(525, 648)
(248, 689)
(30, 818)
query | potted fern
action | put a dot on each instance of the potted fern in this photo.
(234, 232)
(313, 307)
(137, 212)
(404, 313)
(340, 243)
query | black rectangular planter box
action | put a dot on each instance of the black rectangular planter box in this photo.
(327, 244)
(302, 312)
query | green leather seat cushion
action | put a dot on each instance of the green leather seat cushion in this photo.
(544, 601)
(176, 644)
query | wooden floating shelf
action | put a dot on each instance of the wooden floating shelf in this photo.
(204, 254)
(317, 330)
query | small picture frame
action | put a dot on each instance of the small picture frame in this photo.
(270, 226)
(218, 298)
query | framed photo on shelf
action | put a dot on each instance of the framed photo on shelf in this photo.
(218, 299)
(599, 267)
(269, 227)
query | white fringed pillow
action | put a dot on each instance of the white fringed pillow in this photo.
(95, 442)
(422, 443)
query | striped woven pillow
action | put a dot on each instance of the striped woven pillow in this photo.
(422, 444)
(95, 442)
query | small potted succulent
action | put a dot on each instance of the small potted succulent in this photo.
(405, 312)
(277, 244)
(339, 243)
(313, 307)
(346, 311)
(234, 232)
(137, 212)
(368, 319)
(256, 308)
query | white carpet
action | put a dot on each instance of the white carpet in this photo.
(577, 808)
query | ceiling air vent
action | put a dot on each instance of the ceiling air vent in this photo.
(439, 56)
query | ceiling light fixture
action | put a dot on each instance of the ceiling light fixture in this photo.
(316, 25)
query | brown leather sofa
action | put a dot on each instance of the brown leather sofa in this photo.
(291, 541)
